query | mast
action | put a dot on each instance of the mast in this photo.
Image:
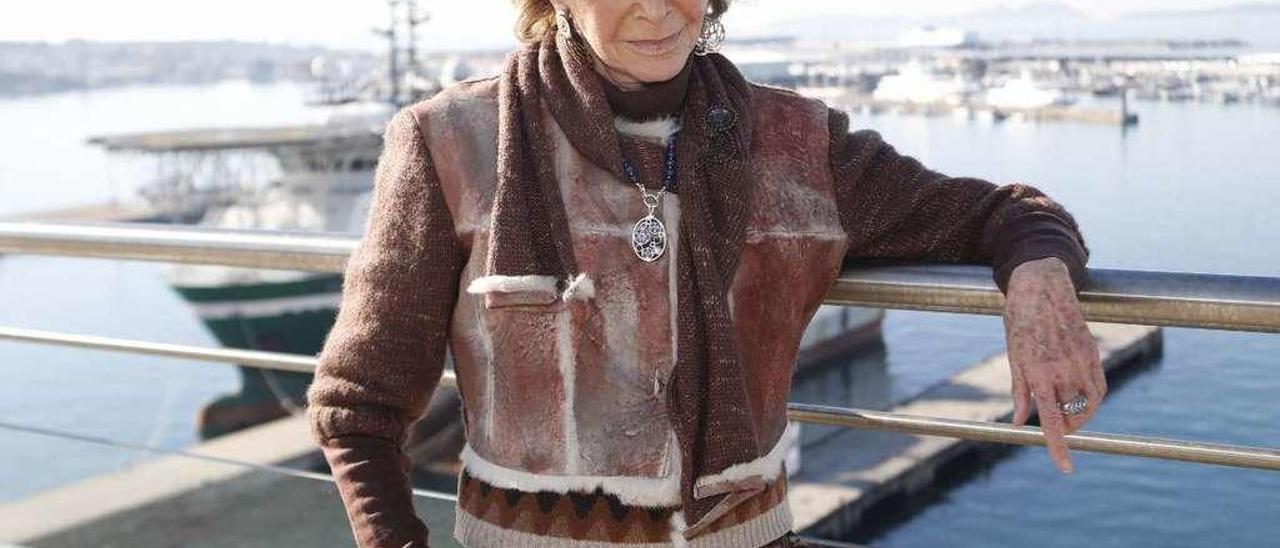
(413, 19)
(393, 53)
(402, 26)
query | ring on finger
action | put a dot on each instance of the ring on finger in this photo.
(1075, 406)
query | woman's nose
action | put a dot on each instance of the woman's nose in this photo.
(652, 10)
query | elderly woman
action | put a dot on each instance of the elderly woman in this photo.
(620, 242)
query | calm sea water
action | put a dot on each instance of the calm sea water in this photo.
(1194, 188)
(44, 164)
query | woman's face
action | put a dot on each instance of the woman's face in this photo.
(637, 41)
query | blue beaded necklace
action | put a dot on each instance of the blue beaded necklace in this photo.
(668, 177)
(649, 235)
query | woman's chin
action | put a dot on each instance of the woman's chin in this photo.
(650, 71)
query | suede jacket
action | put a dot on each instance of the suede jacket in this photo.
(565, 395)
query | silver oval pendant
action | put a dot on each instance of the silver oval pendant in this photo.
(649, 238)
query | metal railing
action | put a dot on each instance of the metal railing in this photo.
(1240, 303)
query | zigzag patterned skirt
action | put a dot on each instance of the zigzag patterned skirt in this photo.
(598, 517)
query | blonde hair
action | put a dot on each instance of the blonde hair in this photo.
(539, 16)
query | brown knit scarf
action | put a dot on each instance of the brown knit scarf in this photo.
(707, 399)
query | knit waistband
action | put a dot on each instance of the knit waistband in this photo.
(489, 515)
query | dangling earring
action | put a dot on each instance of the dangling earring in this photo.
(563, 27)
(712, 36)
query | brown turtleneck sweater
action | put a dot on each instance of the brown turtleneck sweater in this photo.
(654, 100)
(361, 367)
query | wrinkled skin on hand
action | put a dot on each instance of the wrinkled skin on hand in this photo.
(1052, 354)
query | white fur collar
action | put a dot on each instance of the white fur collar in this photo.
(659, 129)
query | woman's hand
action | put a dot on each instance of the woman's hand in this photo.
(1052, 354)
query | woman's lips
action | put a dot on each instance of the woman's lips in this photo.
(656, 47)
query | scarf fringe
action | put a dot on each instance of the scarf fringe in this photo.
(767, 468)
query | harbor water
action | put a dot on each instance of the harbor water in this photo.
(1194, 188)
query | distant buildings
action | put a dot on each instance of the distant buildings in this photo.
(929, 36)
(43, 67)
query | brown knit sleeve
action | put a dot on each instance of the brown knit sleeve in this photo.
(384, 356)
(893, 207)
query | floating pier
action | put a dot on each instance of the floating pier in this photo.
(845, 476)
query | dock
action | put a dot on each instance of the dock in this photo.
(176, 500)
(855, 473)
(1047, 113)
(864, 104)
(113, 211)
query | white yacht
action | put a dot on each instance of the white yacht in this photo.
(914, 83)
(1025, 92)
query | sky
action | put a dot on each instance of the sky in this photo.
(456, 23)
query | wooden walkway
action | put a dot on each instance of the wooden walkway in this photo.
(849, 474)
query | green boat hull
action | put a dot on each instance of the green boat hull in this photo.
(288, 317)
